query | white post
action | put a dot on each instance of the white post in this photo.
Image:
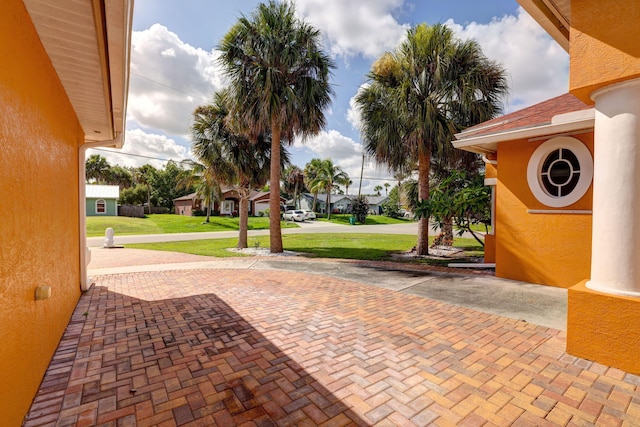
(615, 257)
(108, 234)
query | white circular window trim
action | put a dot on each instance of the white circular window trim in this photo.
(535, 167)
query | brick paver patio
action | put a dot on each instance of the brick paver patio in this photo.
(262, 348)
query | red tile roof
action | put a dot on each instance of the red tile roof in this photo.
(536, 115)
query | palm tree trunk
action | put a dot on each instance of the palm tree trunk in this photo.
(244, 217)
(149, 198)
(275, 236)
(328, 204)
(315, 199)
(423, 193)
(209, 203)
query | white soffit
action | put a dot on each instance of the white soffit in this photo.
(88, 42)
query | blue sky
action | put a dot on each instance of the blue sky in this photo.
(174, 69)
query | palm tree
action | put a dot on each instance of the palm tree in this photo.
(279, 83)
(310, 173)
(328, 175)
(97, 168)
(347, 183)
(146, 175)
(386, 188)
(230, 157)
(294, 183)
(201, 179)
(377, 189)
(430, 87)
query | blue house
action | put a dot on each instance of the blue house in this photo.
(102, 200)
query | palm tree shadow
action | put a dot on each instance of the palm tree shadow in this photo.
(189, 359)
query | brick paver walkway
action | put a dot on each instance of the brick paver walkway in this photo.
(264, 348)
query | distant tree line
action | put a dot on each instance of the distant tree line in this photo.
(139, 185)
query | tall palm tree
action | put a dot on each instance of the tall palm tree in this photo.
(432, 86)
(328, 175)
(230, 157)
(279, 83)
(386, 188)
(377, 189)
(310, 173)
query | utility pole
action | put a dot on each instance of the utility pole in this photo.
(361, 171)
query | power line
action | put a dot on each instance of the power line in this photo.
(136, 155)
(170, 87)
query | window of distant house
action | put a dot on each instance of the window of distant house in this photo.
(101, 206)
(560, 171)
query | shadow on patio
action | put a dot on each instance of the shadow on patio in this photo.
(174, 361)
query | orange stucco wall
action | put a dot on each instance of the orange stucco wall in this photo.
(603, 327)
(39, 139)
(604, 46)
(550, 249)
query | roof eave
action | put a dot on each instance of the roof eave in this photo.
(487, 144)
(96, 77)
(549, 14)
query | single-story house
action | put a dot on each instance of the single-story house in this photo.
(340, 203)
(375, 203)
(258, 202)
(102, 200)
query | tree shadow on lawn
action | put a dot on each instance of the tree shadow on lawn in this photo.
(194, 358)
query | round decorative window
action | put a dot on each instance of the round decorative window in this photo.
(560, 171)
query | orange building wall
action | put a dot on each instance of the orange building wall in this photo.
(604, 46)
(550, 249)
(39, 139)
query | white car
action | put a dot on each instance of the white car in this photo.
(291, 215)
(309, 215)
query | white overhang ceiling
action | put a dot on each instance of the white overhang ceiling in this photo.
(88, 42)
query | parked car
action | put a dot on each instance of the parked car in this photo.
(290, 215)
(309, 215)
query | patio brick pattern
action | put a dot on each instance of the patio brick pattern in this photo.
(265, 348)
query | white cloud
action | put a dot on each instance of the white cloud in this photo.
(142, 148)
(355, 27)
(538, 67)
(353, 114)
(169, 78)
(346, 153)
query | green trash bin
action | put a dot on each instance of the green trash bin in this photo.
(352, 220)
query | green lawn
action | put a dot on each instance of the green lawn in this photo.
(159, 224)
(345, 246)
(371, 219)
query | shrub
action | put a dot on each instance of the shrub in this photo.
(360, 208)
